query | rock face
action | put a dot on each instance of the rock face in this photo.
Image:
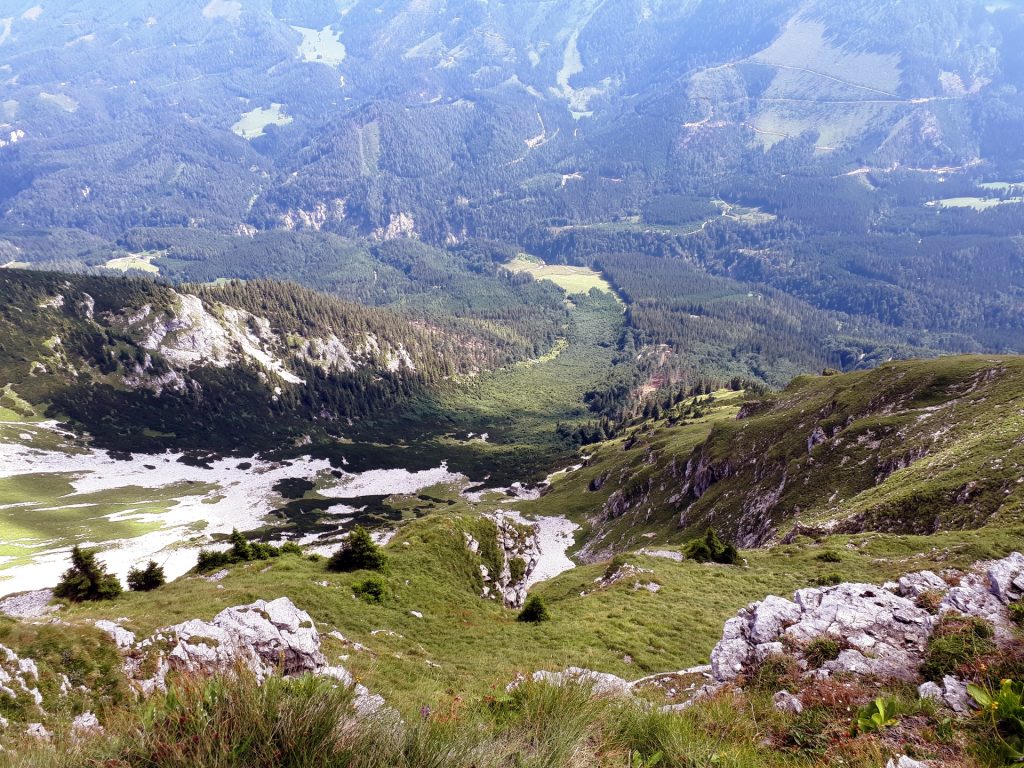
(519, 547)
(881, 630)
(266, 637)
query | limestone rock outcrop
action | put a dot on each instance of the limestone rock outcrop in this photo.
(881, 630)
(268, 638)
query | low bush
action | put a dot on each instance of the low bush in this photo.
(711, 549)
(534, 611)
(821, 649)
(146, 579)
(242, 551)
(830, 556)
(776, 672)
(957, 641)
(828, 580)
(371, 589)
(86, 579)
(929, 600)
(358, 553)
(517, 569)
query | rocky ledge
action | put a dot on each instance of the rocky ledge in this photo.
(883, 630)
(267, 638)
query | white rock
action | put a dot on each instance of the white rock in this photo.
(785, 701)
(37, 730)
(905, 762)
(601, 683)
(122, 637)
(416, 614)
(86, 723)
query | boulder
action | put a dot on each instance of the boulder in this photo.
(266, 636)
(601, 683)
(1006, 578)
(785, 701)
(952, 693)
(916, 584)
(86, 724)
(122, 637)
(884, 631)
(905, 762)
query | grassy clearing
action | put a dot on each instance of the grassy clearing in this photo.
(139, 261)
(977, 203)
(573, 280)
(253, 123)
(321, 46)
(619, 629)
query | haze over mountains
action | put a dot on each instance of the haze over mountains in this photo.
(605, 318)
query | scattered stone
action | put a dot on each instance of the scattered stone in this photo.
(667, 554)
(952, 693)
(38, 731)
(29, 605)
(86, 724)
(601, 683)
(216, 576)
(122, 637)
(905, 762)
(785, 701)
(416, 614)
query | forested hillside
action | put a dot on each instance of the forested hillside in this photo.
(233, 366)
(845, 177)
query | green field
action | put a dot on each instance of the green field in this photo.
(253, 123)
(977, 203)
(321, 46)
(140, 261)
(572, 280)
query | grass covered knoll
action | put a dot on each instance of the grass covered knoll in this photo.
(446, 673)
(306, 723)
(915, 446)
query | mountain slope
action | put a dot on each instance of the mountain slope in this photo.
(140, 364)
(916, 447)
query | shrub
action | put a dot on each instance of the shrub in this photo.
(829, 580)
(371, 589)
(517, 569)
(210, 559)
(145, 579)
(534, 611)
(242, 551)
(929, 600)
(957, 640)
(358, 553)
(774, 673)
(830, 556)
(86, 579)
(1016, 613)
(613, 566)
(711, 549)
(821, 649)
(1003, 709)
